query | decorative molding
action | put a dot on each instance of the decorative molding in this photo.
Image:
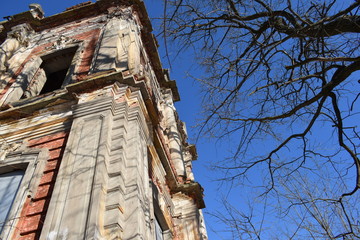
(62, 42)
(21, 33)
(57, 120)
(32, 161)
(6, 147)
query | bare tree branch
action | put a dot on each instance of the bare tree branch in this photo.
(279, 86)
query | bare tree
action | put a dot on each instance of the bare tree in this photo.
(280, 85)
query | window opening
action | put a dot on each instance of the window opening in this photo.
(56, 66)
(54, 72)
(9, 185)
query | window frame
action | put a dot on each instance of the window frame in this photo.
(24, 79)
(69, 77)
(11, 181)
(32, 162)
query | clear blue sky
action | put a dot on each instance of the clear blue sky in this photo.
(188, 107)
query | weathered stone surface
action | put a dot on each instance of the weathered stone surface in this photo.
(104, 152)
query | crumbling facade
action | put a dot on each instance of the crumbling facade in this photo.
(91, 144)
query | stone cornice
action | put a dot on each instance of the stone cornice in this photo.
(193, 190)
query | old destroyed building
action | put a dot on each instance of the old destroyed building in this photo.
(91, 144)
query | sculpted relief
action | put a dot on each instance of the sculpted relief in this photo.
(17, 38)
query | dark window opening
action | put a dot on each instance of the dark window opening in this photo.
(56, 66)
(54, 81)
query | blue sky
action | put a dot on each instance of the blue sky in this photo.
(188, 107)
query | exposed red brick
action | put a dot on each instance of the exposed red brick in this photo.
(42, 192)
(29, 236)
(52, 164)
(56, 139)
(47, 177)
(35, 207)
(30, 224)
(55, 153)
(34, 210)
(88, 54)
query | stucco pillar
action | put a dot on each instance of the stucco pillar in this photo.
(77, 208)
(137, 204)
(173, 135)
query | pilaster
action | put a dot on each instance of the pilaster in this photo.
(76, 209)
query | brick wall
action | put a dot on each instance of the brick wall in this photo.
(34, 211)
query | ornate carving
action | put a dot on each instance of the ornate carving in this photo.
(18, 37)
(21, 33)
(6, 147)
(36, 10)
(62, 42)
(122, 13)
